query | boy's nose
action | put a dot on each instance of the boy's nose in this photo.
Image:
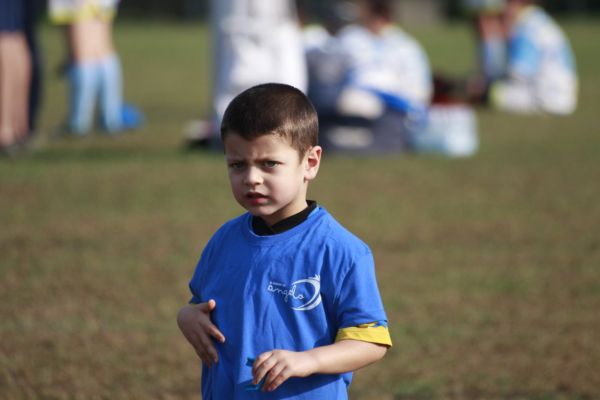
(253, 177)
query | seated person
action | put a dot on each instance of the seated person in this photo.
(368, 77)
(540, 73)
(536, 73)
(371, 84)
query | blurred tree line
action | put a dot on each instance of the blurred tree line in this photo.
(557, 7)
(198, 9)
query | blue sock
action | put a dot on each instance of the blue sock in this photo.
(83, 80)
(111, 93)
(493, 51)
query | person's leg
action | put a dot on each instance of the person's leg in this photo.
(33, 10)
(492, 48)
(111, 93)
(83, 85)
(15, 70)
(88, 46)
(110, 80)
(6, 127)
(22, 86)
(87, 42)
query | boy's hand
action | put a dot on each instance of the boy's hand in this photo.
(277, 366)
(195, 324)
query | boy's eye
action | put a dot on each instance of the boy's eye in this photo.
(270, 164)
(236, 165)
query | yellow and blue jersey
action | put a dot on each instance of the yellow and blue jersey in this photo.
(306, 287)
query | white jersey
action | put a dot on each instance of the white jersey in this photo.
(256, 41)
(391, 62)
(541, 72)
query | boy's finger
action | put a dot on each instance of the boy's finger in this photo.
(209, 349)
(262, 358)
(272, 376)
(259, 360)
(203, 355)
(262, 366)
(279, 379)
(210, 305)
(206, 357)
(196, 343)
(216, 333)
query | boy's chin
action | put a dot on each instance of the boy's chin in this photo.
(263, 215)
(259, 212)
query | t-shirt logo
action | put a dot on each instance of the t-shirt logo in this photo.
(301, 295)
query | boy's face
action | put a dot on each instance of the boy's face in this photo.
(268, 178)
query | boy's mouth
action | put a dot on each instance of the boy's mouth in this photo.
(256, 198)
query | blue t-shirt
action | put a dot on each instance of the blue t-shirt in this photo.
(291, 291)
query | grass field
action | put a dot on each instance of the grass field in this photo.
(489, 266)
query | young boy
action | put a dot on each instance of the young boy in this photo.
(285, 299)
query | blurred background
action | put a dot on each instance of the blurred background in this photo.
(489, 265)
(198, 9)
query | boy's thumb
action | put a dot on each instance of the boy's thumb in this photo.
(211, 304)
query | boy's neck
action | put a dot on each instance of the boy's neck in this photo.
(261, 228)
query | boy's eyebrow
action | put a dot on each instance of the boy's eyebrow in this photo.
(260, 159)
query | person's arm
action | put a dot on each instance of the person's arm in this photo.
(277, 366)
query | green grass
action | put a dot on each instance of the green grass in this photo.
(489, 266)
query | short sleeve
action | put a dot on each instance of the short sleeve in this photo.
(195, 284)
(359, 301)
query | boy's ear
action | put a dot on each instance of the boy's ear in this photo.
(313, 161)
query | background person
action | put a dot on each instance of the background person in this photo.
(254, 41)
(94, 67)
(540, 71)
(367, 81)
(526, 62)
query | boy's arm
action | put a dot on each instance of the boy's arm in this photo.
(277, 366)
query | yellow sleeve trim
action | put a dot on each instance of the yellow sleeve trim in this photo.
(366, 333)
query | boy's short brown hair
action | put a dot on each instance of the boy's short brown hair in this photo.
(273, 109)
